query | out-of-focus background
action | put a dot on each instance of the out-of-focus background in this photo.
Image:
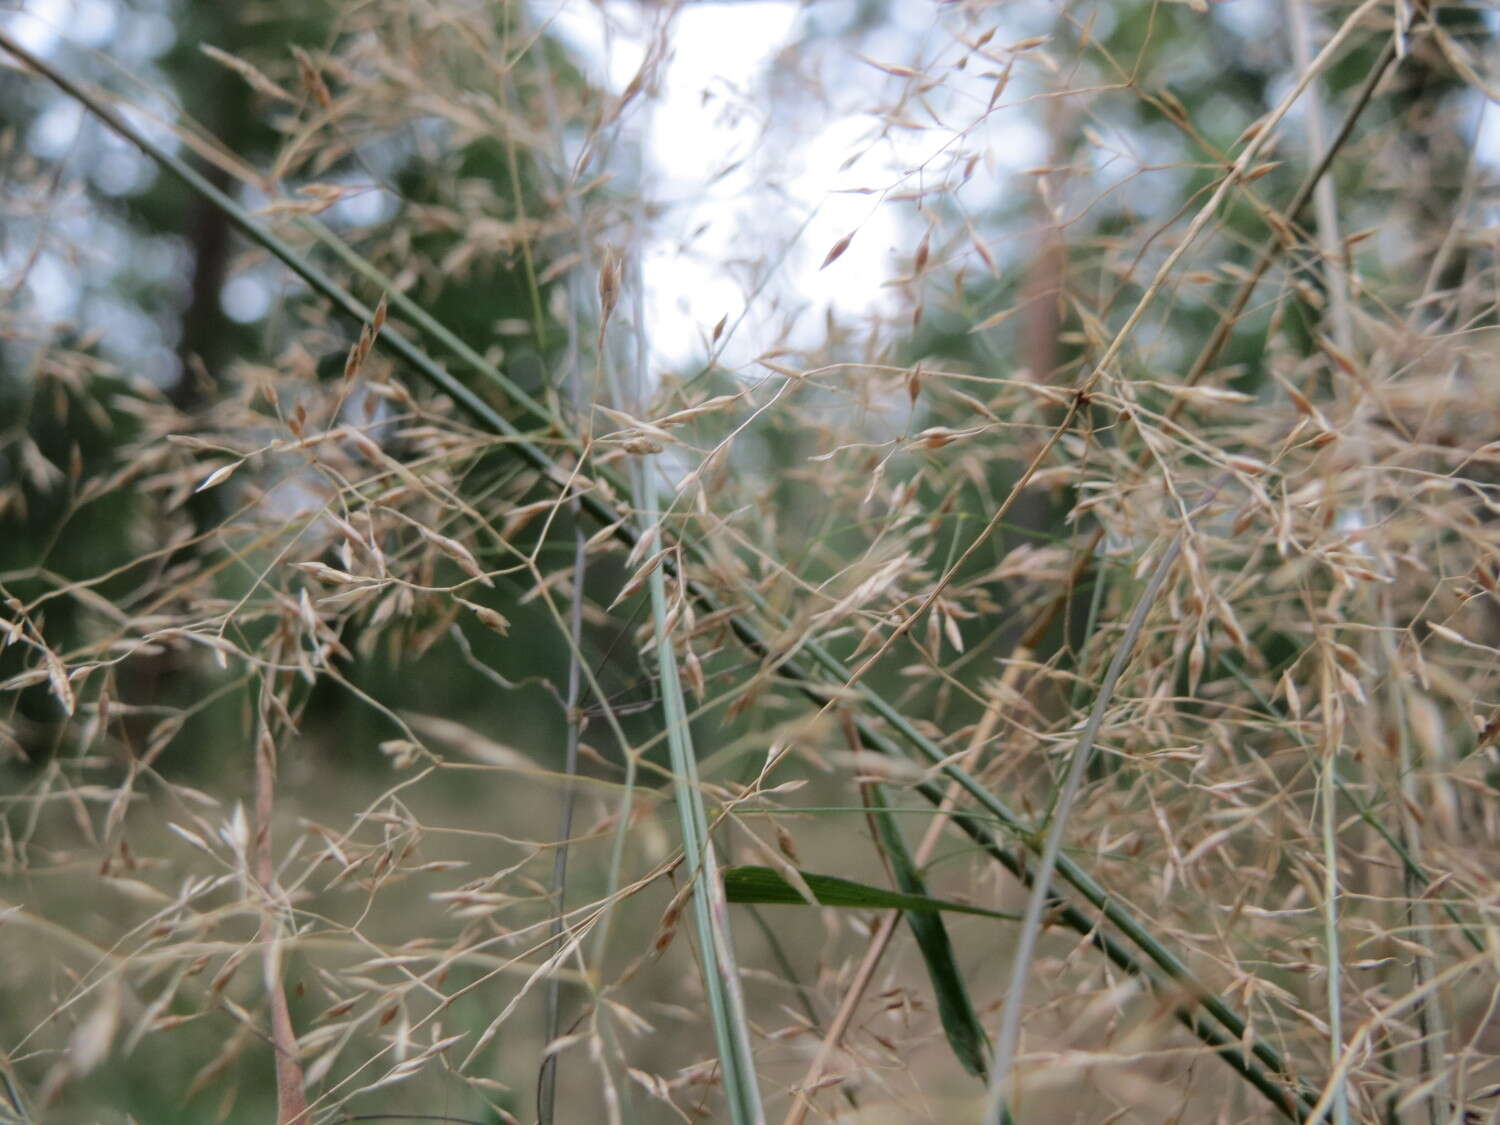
(299, 648)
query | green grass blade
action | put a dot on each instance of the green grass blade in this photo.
(765, 886)
(710, 918)
(955, 1007)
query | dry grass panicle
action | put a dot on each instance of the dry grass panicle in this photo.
(981, 474)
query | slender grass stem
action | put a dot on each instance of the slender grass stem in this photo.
(552, 1019)
(1008, 1039)
(1328, 777)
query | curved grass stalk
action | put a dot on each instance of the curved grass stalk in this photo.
(1008, 1039)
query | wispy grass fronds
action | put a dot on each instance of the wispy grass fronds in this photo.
(616, 526)
(630, 465)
